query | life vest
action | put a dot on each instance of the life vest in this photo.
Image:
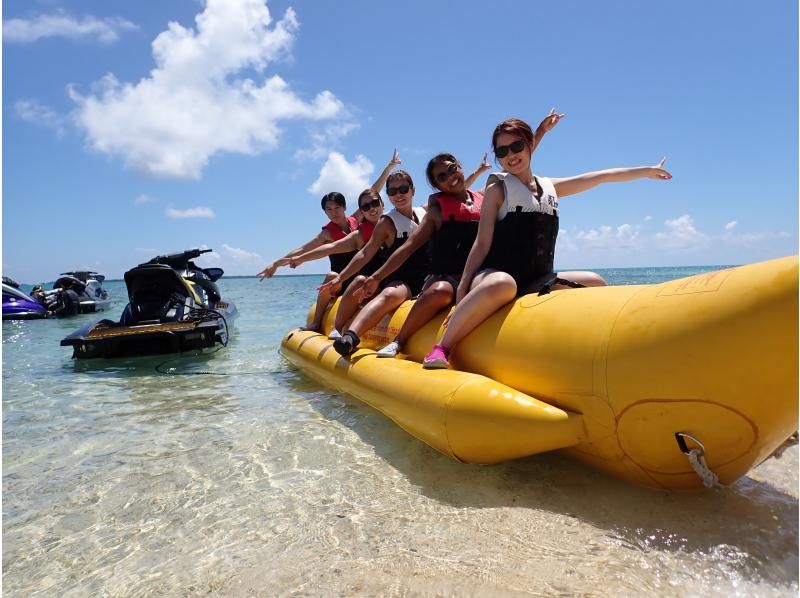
(451, 244)
(416, 266)
(340, 260)
(366, 228)
(525, 233)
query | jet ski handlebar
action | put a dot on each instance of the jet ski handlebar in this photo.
(178, 260)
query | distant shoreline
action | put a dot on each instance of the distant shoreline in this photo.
(599, 270)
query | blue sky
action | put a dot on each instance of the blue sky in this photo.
(137, 128)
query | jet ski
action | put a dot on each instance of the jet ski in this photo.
(173, 305)
(88, 285)
(78, 292)
(18, 305)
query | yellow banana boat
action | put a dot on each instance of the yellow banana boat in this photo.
(667, 385)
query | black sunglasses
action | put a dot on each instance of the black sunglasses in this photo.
(451, 170)
(391, 191)
(372, 205)
(501, 151)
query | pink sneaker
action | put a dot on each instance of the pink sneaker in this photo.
(437, 358)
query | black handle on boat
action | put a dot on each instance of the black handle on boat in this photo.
(178, 260)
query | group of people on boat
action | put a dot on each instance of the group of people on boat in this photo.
(478, 250)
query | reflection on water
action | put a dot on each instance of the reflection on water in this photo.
(230, 474)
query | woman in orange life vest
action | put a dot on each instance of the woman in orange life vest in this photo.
(392, 232)
(513, 252)
(339, 227)
(451, 225)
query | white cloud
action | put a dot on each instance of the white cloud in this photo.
(324, 141)
(681, 234)
(143, 199)
(106, 31)
(240, 255)
(679, 242)
(193, 106)
(623, 236)
(39, 114)
(241, 261)
(349, 178)
(198, 212)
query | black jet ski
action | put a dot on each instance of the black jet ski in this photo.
(173, 305)
(78, 292)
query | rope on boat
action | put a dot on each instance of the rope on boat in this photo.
(791, 441)
(697, 460)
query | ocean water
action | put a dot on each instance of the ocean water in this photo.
(231, 474)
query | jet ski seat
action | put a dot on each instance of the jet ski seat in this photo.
(152, 289)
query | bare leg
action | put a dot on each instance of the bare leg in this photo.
(386, 301)
(587, 279)
(349, 303)
(434, 298)
(323, 299)
(490, 291)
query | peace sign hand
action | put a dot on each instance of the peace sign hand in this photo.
(658, 171)
(551, 120)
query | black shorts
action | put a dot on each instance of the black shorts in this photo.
(527, 284)
(452, 279)
(414, 283)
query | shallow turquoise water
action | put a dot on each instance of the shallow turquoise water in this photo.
(231, 474)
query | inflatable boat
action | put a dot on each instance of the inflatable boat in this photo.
(675, 385)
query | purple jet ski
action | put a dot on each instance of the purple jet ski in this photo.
(19, 306)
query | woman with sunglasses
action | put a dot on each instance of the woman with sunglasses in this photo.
(408, 275)
(391, 232)
(371, 208)
(451, 225)
(513, 252)
(340, 225)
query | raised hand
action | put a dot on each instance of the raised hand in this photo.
(551, 120)
(658, 172)
(485, 165)
(395, 158)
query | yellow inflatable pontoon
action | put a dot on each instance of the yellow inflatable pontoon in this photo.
(668, 385)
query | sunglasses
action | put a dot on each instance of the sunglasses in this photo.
(501, 151)
(452, 168)
(402, 189)
(371, 205)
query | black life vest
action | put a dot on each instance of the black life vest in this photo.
(416, 266)
(524, 241)
(451, 244)
(340, 260)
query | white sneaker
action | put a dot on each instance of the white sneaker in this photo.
(334, 334)
(390, 350)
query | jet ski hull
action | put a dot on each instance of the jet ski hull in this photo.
(105, 339)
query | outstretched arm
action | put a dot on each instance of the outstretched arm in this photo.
(349, 243)
(547, 124)
(269, 270)
(419, 236)
(382, 231)
(587, 180)
(483, 167)
(377, 186)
